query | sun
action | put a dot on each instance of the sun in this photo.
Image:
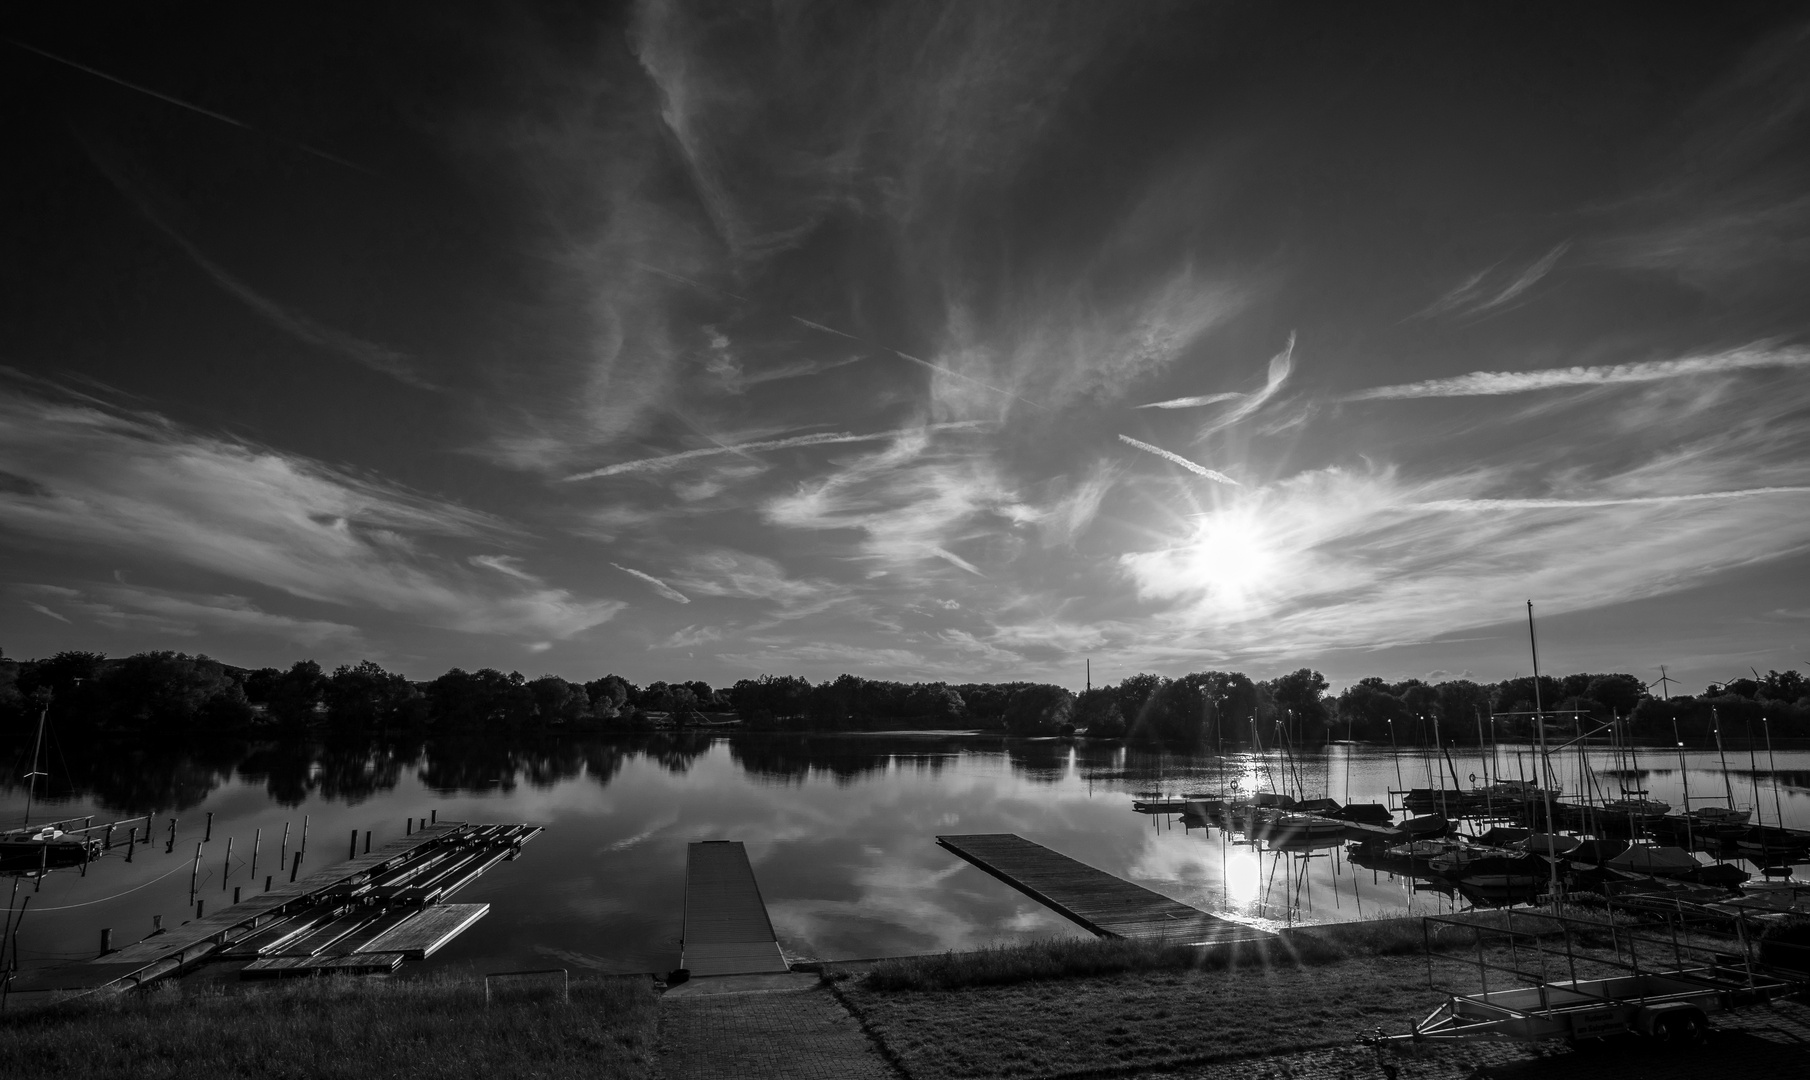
(1230, 556)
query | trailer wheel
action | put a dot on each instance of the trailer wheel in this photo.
(1680, 1029)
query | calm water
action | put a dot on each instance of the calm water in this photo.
(840, 830)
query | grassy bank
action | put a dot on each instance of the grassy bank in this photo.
(1102, 1008)
(351, 1028)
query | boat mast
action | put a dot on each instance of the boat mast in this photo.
(1773, 764)
(1684, 775)
(1716, 726)
(1539, 716)
(31, 778)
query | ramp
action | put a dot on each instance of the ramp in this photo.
(727, 931)
(1108, 906)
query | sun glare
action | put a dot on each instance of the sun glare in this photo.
(1229, 556)
(1243, 876)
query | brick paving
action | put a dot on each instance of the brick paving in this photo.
(780, 1029)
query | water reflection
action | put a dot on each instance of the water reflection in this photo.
(840, 829)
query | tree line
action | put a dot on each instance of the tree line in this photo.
(172, 692)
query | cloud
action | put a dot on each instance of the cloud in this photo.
(684, 457)
(133, 608)
(1637, 500)
(134, 483)
(726, 572)
(42, 610)
(1200, 470)
(659, 586)
(380, 358)
(1484, 383)
(688, 637)
(503, 564)
(1280, 366)
(1478, 296)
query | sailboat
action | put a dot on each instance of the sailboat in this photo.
(42, 847)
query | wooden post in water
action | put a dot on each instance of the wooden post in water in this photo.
(266, 882)
(434, 816)
(199, 904)
(131, 842)
(226, 871)
(171, 846)
(283, 852)
(43, 867)
(107, 840)
(408, 828)
(156, 924)
(367, 841)
(106, 940)
(208, 835)
(353, 853)
(257, 838)
(304, 849)
(195, 873)
(296, 866)
(236, 894)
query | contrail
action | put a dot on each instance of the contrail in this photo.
(1193, 402)
(1635, 500)
(825, 329)
(669, 461)
(688, 281)
(1490, 383)
(1201, 470)
(956, 560)
(190, 106)
(660, 587)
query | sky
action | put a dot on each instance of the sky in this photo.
(963, 342)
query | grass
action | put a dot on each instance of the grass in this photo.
(1102, 1008)
(1037, 961)
(340, 1027)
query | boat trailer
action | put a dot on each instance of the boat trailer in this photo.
(1669, 993)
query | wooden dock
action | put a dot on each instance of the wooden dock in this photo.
(370, 912)
(1106, 905)
(726, 931)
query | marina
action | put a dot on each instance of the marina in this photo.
(368, 913)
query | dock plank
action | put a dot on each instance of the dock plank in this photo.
(726, 928)
(420, 937)
(1097, 901)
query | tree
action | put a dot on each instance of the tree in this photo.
(366, 696)
(1039, 710)
(1298, 694)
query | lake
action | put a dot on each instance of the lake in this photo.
(840, 829)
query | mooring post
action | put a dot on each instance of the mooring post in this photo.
(353, 853)
(199, 904)
(195, 873)
(107, 841)
(227, 870)
(208, 836)
(409, 828)
(296, 866)
(367, 841)
(43, 867)
(267, 882)
(236, 894)
(434, 816)
(283, 852)
(157, 924)
(257, 838)
(106, 940)
(171, 846)
(304, 849)
(131, 842)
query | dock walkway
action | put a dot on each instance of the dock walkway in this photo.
(726, 929)
(1106, 905)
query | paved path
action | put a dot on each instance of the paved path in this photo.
(763, 1027)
